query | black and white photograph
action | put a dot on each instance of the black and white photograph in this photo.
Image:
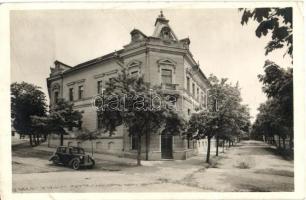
(154, 100)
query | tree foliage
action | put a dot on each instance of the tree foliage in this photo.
(277, 21)
(143, 109)
(276, 114)
(278, 110)
(61, 118)
(226, 116)
(27, 100)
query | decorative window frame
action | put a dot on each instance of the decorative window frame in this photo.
(166, 62)
(56, 86)
(134, 64)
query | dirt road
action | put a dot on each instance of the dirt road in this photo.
(250, 166)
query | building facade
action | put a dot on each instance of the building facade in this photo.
(162, 59)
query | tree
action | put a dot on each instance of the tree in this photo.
(27, 100)
(88, 135)
(143, 109)
(222, 120)
(278, 86)
(62, 117)
(278, 82)
(278, 21)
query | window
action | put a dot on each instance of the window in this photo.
(134, 141)
(110, 145)
(193, 89)
(166, 76)
(99, 122)
(81, 91)
(70, 94)
(198, 94)
(205, 100)
(55, 96)
(188, 84)
(99, 87)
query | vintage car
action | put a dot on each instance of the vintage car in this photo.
(74, 157)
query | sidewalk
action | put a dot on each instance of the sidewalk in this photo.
(100, 156)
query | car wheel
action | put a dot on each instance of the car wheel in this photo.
(55, 160)
(75, 164)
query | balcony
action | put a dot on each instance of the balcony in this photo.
(169, 86)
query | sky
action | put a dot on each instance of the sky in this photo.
(219, 42)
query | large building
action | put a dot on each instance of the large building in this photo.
(162, 59)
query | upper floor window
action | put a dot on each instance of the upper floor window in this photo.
(166, 76)
(198, 94)
(193, 89)
(81, 91)
(205, 100)
(99, 87)
(188, 84)
(55, 96)
(70, 94)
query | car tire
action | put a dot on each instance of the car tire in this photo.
(75, 164)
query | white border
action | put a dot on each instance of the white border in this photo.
(299, 102)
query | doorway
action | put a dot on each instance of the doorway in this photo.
(166, 146)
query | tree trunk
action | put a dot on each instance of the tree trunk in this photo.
(284, 143)
(217, 146)
(62, 139)
(208, 150)
(91, 147)
(223, 143)
(31, 140)
(38, 139)
(49, 136)
(139, 151)
(147, 144)
(34, 140)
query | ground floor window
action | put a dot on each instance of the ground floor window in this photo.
(99, 122)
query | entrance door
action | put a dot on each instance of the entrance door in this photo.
(166, 146)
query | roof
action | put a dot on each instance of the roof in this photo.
(94, 61)
(61, 63)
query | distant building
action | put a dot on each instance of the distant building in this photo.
(162, 59)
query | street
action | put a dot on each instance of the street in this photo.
(250, 166)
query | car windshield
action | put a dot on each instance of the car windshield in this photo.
(61, 149)
(77, 151)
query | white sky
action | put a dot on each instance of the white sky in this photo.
(218, 41)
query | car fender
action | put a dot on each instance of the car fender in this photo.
(93, 161)
(70, 162)
(52, 157)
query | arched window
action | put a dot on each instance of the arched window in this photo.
(110, 145)
(98, 145)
